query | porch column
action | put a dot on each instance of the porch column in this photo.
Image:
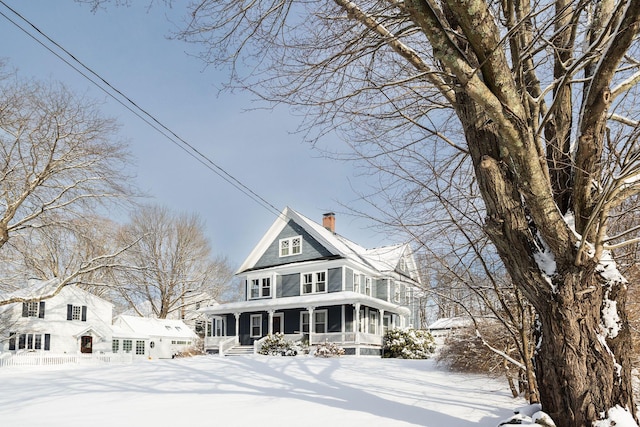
(271, 322)
(357, 328)
(381, 322)
(237, 316)
(312, 325)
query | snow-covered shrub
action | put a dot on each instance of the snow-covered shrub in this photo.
(464, 351)
(277, 345)
(408, 344)
(329, 349)
(300, 346)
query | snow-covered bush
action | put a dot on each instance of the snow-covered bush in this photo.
(277, 345)
(329, 349)
(408, 344)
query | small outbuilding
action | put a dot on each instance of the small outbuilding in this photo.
(151, 338)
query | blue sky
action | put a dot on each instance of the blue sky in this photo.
(128, 47)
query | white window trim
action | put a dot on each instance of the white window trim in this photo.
(255, 316)
(373, 318)
(289, 240)
(315, 313)
(218, 325)
(33, 309)
(314, 282)
(260, 280)
(76, 312)
(368, 286)
(397, 292)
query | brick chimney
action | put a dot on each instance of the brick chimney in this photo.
(329, 221)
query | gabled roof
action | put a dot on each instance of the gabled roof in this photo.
(383, 259)
(34, 289)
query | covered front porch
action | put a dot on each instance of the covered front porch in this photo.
(353, 321)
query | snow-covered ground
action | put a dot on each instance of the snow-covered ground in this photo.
(253, 391)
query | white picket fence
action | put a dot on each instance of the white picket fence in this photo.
(52, 359)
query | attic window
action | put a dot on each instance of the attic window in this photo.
(291, 246)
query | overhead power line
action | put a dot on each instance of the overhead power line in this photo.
(114, 93)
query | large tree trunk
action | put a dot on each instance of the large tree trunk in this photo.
(579, 363)
(582, 360)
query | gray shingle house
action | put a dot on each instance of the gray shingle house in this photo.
(306, 281)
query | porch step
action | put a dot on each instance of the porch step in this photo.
(240, 350)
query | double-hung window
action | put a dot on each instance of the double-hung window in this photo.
(319, 322)
(33, 309)
(260, 288)
(29, 341)
(256, 325)
(314, 282)
(291, 246)
(396, 292)
(77, 312)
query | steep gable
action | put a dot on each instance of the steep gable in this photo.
(319, 242)
(310, 248)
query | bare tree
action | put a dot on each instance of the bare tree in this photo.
(538, 98)
(170, 261)
(60, 161)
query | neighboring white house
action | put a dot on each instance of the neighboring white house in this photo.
(152, 338)
(73, 321)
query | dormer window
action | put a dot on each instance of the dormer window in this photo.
(291, 246)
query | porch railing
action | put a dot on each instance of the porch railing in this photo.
(222, 344)
(333, 337)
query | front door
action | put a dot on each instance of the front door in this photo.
(278, 323)
(86, 344)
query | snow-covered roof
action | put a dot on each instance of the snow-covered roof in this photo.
(314, 300)
(34, 289)
(144, 327)
(450, 323)
(382, 259)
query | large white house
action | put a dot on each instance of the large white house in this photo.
(306, 281)
(76, 321)
(72, 321)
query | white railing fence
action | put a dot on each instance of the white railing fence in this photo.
(53, 359)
